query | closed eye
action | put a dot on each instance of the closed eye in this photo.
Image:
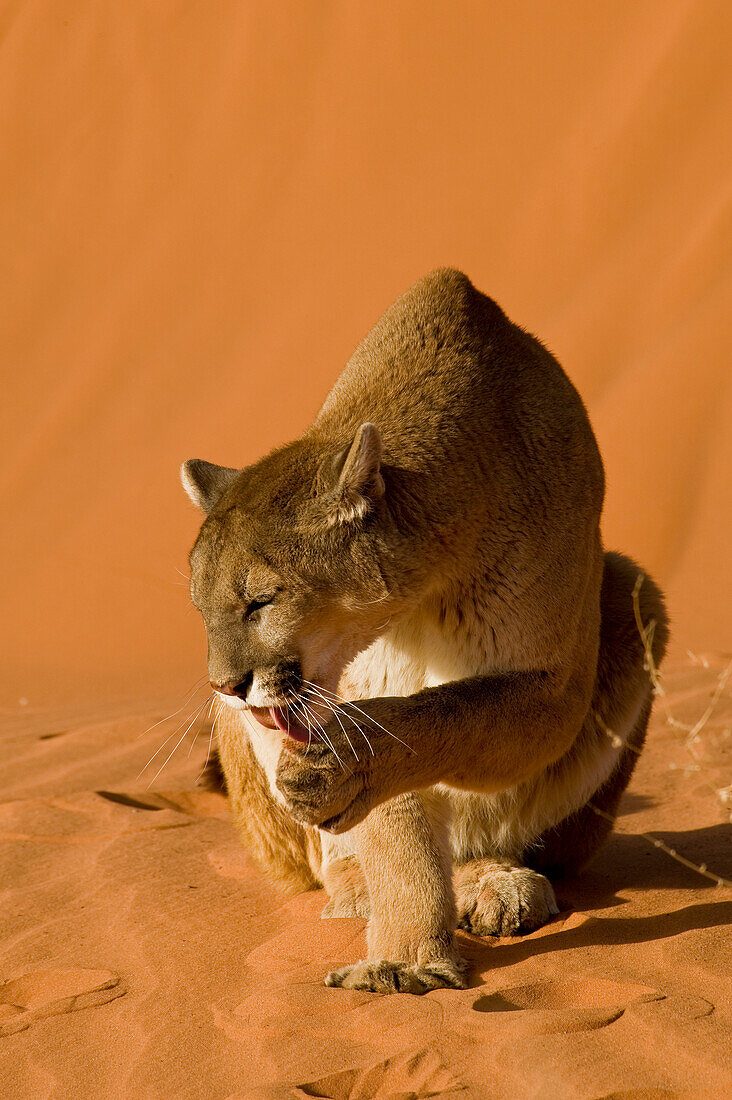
(257, 604)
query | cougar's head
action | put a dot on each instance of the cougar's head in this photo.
(287, 570)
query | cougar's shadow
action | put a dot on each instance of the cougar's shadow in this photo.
(624, 863)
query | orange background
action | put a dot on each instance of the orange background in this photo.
(205, 206)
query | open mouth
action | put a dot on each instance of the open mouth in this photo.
(279, 718)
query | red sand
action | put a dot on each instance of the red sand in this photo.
(143, 955)
(204, 207)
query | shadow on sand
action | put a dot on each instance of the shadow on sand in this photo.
(628, 862)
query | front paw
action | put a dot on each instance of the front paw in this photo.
(398, 977)
(354, 761)
(321, 789)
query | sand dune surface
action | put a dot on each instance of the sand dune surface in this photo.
(144, 955)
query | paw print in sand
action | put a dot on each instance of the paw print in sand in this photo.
(52, 992)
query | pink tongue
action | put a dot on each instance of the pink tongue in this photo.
(287, 725)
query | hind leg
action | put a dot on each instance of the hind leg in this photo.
(496, 898)
(566, 848)
(622, 678)
(348, 893)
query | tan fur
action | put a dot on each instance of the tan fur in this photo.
(431, 550)
(348, 894)
(276, 841)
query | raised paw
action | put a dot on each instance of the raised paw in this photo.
(336, 781)
(397, 977)
(498, 899)
(319, 788)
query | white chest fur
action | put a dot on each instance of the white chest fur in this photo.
(420, 654)
(267, 747)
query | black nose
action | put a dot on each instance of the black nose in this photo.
(238, 688)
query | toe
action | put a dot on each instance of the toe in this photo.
(389, 977)
(509, 901)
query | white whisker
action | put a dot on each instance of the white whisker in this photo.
(338, 708)
(193, 739)
(196, 688)
(175, 747)
(196, 713)
(293, 704)
(324, 735)
(370, 603)
(170, 738)
(348, 703)
(210, 737)
(334, 711)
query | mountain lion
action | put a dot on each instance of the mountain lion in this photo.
(434, 674)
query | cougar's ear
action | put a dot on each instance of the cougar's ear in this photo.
(206, 483)
(351, 481)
